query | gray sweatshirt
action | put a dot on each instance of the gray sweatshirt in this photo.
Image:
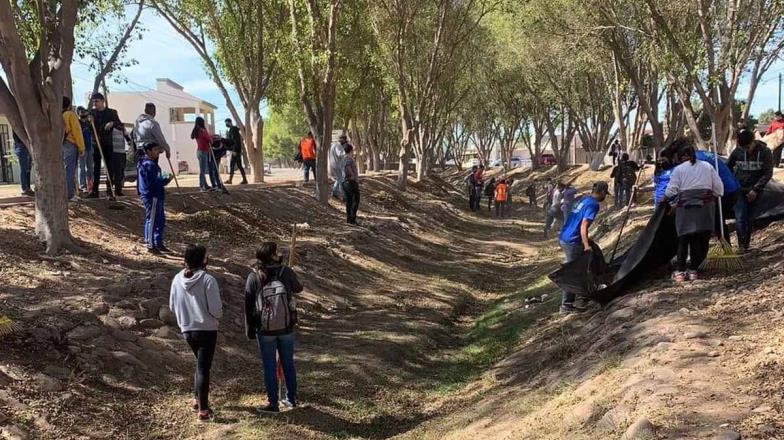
(195, 301)
(147, 130)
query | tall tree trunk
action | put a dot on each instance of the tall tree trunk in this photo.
(255, 153)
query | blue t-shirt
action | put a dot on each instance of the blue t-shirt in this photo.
(725, 174)
(585, 209)
(661, 181)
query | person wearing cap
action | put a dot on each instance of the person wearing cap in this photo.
(86, 160)
(574, 234)
(776, 124)
(147, 130)
(234, 138)
(73, 147)
(150, 184)
(336, 154)
(105, 120)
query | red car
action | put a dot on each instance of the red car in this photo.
(547, 160)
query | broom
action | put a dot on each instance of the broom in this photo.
(112, 198)
(8, 327)
(721, 256)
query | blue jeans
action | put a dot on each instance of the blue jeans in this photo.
(308, 165)
(742, 219)
(204, 160)
(154, 222)
(86, 169)
(70, 156)
(337, 188)
(214, 175)
(283, 346)
(25, 165)
(571, 252)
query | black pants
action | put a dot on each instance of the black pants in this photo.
(351, 191)
(532, 201)
(490, 202)
(236, 161)
(694, 245)
(727, 209)
(202, 344)
(777, 155)
(115, 170)
(118, 172)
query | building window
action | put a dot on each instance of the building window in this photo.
(182, 115)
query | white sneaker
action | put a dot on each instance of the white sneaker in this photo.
(692, 275)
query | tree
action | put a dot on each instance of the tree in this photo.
(282, 129)
(36, 49)
(767, 116)
(247, 45)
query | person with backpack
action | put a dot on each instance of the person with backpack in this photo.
(350, 184)
(151, 187)
(501, 193)
(234, 139)
(270, 318)
(219, 151)
(307, 154)
(73, 147)
(104, 120)
(490, 193)
(195, 300)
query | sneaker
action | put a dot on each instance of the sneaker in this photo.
(227, 182)
(205, 416)
(73, 199)
(679, 277)
(692, 275)
(568, 310)
(28, 193)
(244, 182)
(164, 249)
(287, 403)
(195, 405)
(154, 251)
(268, 409)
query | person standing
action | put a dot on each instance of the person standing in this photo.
(119, 158)
(218, 151)
(270, 318)
(350, 185)
(752, 164)
(234, 138)
(104, 120)
(776, 124)
(629, 179)
(336, 154)
(617, 177)
(530, 191)
(574, 238)
(554, 209)
(470, 181)
(151, 186)
(86, 160)
(509, 188)
(694, 186)
(195, 300)
(73, 147)
(568, 195)
(307, 151)
(203, 140)
(501, 193)
(478, 184)
(147, 130)
(25, 165)
(615, 151)
(490, 193)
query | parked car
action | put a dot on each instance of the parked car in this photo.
(547, 160)
(516, 162)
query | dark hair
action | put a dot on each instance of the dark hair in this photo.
(149, 107)
(198, 125)
(267, 253)
(475, 167)
(625, 157)
(745, 138)
(688, 150)
(779, 114)
(348, 148)
(66, 102)
(227, 120)
(97, 96)
(194, 258)
(310, 133)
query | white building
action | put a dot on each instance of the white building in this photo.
(176, 112)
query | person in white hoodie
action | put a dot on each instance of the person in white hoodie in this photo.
(195, 301)
(336, 155)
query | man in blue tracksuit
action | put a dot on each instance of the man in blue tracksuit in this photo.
(151, 183)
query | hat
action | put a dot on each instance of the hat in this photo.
(149, 145)
(97, 96)
(601, 187)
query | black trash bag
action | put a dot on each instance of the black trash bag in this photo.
(584, 275)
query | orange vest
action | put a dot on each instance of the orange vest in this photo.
(307, 147)
(500, 192)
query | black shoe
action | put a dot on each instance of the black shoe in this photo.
(164, 249)
(112, 198)
(244, 182)
(92, 196)
(570, 309)
(28, 193)
(267, 409)
(154, 251)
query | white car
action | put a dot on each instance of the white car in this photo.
(516, 162)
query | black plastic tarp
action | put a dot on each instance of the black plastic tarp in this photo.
(656, 245)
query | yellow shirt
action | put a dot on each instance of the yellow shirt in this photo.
(73, 130)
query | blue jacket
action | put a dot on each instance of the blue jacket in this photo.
(660, 182)
(150, 181)
(727, 176)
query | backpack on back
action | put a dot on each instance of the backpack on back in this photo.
(274, 305)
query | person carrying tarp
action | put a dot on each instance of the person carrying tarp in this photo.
(574, 238)
(661, 176)
(694, 187)
(490, 193)
(752, 164)
(501, 194)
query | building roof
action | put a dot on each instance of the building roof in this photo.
(170, 94)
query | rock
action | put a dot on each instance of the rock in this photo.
(642, 429)
(735, 338)
(127, 321)
(695, 335)
(151, 307)
(58, 372)
(623, 314)
(166, 333)
(44, 333)
(84, 333)
(47, 384)
(613, 419)
(3, 418)
(104, 341)
(124, 336)
(14, 432)
(585, 412)
(166, 315)
(684, 311)
(110, 322)
(769, 350)
(99, 309)
(128, 358)
(13, 372)
(151, 323)
(762, 409)
(727, 435)
(713, 354)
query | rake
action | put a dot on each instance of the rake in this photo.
(721, 256)
(112, 191)
(8, 327)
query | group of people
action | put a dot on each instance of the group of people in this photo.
(210, 151)
(270, 315)
(558, 203)
(497, 191)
